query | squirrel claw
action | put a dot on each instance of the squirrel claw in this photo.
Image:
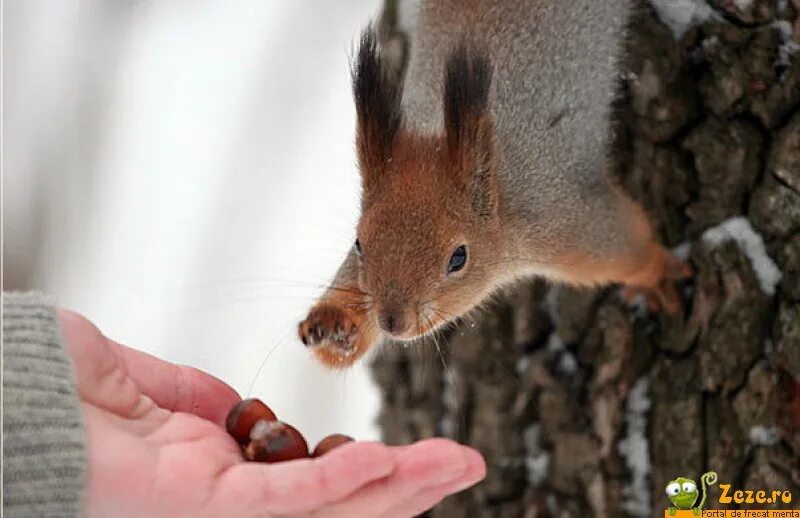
(328, 326)
(676, 269)
(663, 295)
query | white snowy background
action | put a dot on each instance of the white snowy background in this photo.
(183, 173)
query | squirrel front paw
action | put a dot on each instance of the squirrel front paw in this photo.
(661, 293)
(336, 335)
(328, 326)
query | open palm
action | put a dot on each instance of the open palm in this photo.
(157, 448)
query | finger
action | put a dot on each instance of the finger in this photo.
(99, 372)
(427, 498)
(301, 486)
(105, 368)
(421, 466)
(179, 388)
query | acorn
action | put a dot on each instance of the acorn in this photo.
(330, 442)
(274, 441)
(244, 415)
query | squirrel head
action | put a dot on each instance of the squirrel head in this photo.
(429, 232)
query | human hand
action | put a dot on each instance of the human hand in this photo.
(157, 447)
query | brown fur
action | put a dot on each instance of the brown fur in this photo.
(426, 194)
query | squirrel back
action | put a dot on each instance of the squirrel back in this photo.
(555, 72)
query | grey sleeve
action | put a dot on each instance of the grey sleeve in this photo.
(44, 451)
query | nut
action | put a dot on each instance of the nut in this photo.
(274, 441)
(244, 415)
(330, 442)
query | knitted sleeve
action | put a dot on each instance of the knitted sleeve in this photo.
(44, 451)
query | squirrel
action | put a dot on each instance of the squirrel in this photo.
(486, 165)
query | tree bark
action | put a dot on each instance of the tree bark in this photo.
(584, 406)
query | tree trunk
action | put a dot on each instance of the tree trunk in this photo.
(583, 406)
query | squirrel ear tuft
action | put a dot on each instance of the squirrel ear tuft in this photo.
(377, 97)
(467, 80)
(468, 123)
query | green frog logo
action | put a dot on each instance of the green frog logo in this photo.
(684, 495)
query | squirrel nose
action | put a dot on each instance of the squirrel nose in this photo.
(392, 322)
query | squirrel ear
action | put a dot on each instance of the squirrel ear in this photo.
(377, 97)
(468, 124)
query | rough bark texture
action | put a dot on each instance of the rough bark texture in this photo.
(586, 407)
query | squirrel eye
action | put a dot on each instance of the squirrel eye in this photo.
(359, 252)
(457, 260)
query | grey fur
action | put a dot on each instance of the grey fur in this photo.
(555, 73)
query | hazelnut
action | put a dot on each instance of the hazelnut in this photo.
(274, 441)
(330, 442)
(244, 415)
